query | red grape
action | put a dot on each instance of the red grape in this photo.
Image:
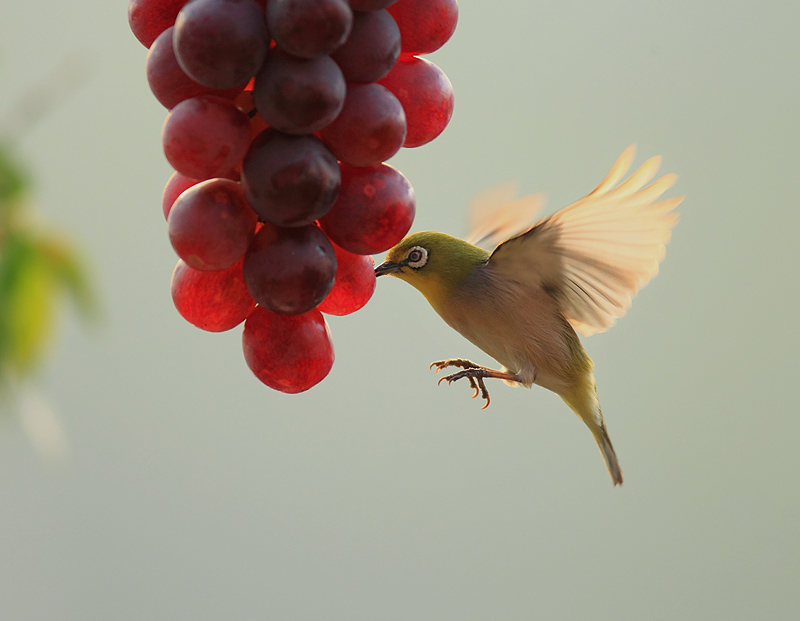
(176, 185)
(374, 211)
(372, 48)
(309, 28)
(168, 81)
(212, 301)
(290, 180)
(290, 354)
(280, 193)
(149, 18)
(289, 271)
(205, 136)
(221, 43)
(425, 25)
(211, 225)
(426, 95)
(370, 128)
(298, 95)
(354, 286)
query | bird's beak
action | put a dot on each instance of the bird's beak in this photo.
(388, 267)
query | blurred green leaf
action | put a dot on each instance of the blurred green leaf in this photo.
(27, 295)
(13, 180)
(35, 271)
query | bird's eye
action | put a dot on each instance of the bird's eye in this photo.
(417, 257)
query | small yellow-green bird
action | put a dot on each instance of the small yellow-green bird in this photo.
(522, 303)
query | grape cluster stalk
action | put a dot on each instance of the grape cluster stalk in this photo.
(281, 116)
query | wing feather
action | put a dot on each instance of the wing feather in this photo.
(617, 171)
(497, 215)
(594, 255)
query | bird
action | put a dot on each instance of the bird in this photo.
(525, 301)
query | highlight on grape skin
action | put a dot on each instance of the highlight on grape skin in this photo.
(281, 192)
(287, 353)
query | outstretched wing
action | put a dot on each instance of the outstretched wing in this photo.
(595, 254)
(496, 215)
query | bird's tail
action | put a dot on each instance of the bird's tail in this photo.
(586, 405)
(607, 451)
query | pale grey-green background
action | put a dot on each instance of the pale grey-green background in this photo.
(193, 492)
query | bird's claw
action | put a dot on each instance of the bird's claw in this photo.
(454, 362)
(472, 372)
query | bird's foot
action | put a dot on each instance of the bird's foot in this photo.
(474, 373)
(455, 362)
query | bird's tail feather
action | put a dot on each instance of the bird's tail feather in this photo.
(607, 451)
(585, 404)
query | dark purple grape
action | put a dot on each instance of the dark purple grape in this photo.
(370, 128)
(298, 95)
(370, 5)
(221, 43)
(372, 48)
(290, 180)
(168, 81)
(289, 271)
(309, 28)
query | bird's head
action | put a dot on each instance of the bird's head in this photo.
(434, 263)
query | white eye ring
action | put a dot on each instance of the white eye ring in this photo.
(417, 257)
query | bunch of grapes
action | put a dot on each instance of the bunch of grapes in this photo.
(281, 116)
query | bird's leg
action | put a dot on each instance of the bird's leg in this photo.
(475, 374)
